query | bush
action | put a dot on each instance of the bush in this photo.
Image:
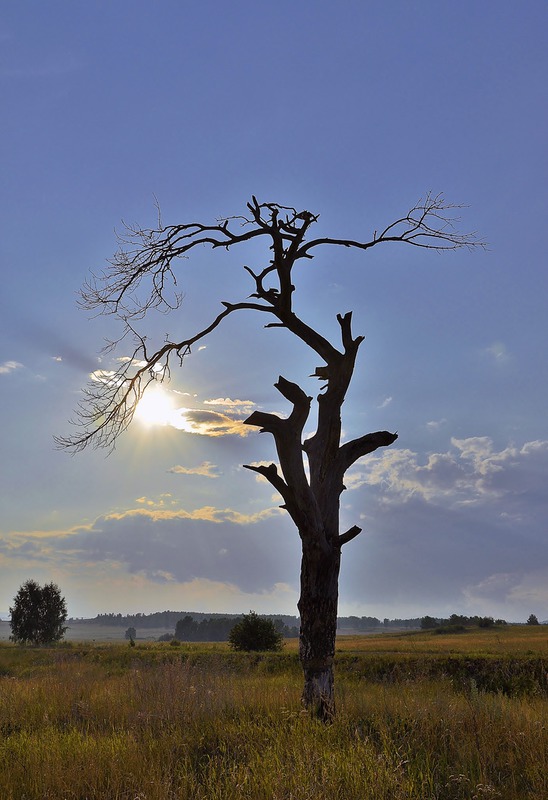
(38, 614)
(254, 633)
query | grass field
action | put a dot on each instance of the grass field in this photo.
(420, 716)
(94, 632)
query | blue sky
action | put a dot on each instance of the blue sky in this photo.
(353, 110)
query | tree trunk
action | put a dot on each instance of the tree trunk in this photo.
(318, 609)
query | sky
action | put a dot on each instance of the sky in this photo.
(351, 110)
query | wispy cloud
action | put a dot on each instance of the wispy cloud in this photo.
(107, 376)
(208, 423)
(436, 424)
(385, 402)
(226, 402)
(134, 361)
(206, 470)
(9, 366)
(497, 352)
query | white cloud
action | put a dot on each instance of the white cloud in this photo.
(471, 471)
(226, 402)
(497, 352)
(208, 423)
(206, 470)
(9, 366)
(135, 362)
(107, 376)
(435, 425)
(385, 402)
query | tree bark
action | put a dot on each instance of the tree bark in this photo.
(318, 610)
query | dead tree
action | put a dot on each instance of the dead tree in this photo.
(311, 497)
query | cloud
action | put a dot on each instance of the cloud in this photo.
(528, 590)
(385, 402)
(226, 402)
(435, 425)
(462, 529)
(468, 473)
(199, 421)
(210, 544)
(206, 470)
(135, 362)
(106, 376)
(208, 423)
(497, 352)
(9, 366)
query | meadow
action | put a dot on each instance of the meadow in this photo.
(420, 716)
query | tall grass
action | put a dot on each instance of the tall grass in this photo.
(147, 724)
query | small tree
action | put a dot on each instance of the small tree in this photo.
(532, 620)
(131, 633)
(254, 633)
(38, 614)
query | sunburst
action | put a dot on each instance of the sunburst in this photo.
(155, 408)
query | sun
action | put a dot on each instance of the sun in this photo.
(155, 408)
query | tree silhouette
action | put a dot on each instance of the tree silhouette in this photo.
(311, 492)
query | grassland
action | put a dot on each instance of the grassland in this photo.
(420, 717)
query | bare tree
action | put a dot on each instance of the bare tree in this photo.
(311, 497)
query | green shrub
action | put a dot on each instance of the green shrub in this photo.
(254, 633)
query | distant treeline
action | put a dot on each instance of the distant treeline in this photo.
(357, 624)
(169, 620)
(217, 629)
(459, 622)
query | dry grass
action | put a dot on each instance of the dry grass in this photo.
(505, 640)
(160, 723)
